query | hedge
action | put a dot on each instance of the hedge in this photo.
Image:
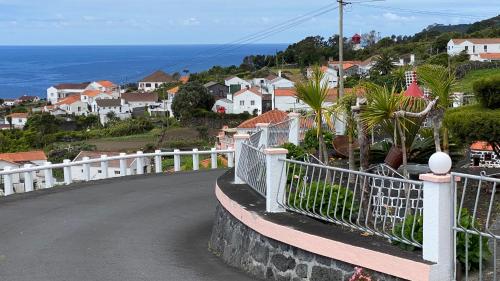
(472, 123)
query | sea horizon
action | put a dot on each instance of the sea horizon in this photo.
(31, 69)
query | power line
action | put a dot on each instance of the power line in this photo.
(423, 12)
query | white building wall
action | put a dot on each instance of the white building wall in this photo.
(247, 101)
(17, 122)
(472, 49)
(237, 81)
(149, 86)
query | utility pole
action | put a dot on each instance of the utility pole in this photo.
(341, 49)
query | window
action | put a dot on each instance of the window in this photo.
(486, 48)
(117, 172)
(20, 120)
(252, 102)
(473, 49)
(148, 85)
(487, 156)
(99, 171)
(242, 102)
(466, 48)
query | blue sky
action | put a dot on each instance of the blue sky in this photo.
(110, 22)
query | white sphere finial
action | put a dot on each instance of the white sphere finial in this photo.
(440, 163)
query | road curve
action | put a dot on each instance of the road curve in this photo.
(153, 227)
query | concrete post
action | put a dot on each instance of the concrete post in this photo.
(28, 179)
(275, 180)
(238, 143)
(7, 182)
(86, 169)
(123, 165)
(230, 159)
(158, 167)
(49, 180)
(294, 132)
(196, 160)
(438, 222)
(104, 166)
(139, 163)
(68, 179)
(177, 160)
(213, 158)
(265, 133)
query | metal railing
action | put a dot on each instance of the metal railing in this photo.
(476, 227)
(252, 168)
(255, 138)
(377, 205)
(278, 134)
(29, 174)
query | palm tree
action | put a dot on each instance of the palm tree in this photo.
(343, 110)
(384, 64)
(314, 92)
(440, 81)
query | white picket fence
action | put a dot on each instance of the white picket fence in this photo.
(29, 171)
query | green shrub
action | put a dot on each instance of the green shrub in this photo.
(311, 141)
(472, 123)
(488, 91)
(315, 196)
(294, 152)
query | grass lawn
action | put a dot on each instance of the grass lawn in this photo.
(465, 84)
(124, 143)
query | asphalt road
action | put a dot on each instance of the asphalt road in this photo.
(136, 228)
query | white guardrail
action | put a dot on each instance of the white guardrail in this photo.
(28, 171)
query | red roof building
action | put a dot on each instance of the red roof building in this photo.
(414, 91)
(273, 117)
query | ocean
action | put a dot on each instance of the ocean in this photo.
(31, 70)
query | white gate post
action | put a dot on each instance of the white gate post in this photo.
(49, 180)
(196, 159)
(123, 165)
(86, 169)
(7, 182)
(139, 163)
(213, 158)
(275, 180)
(238, 143)
(104, 166)
(28, 179)
(264, 136)
(230, 159)
(68, 179)
(293, 133)
(158, 167)
(177, 160)
(438, 214)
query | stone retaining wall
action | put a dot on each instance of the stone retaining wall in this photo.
(268, 259)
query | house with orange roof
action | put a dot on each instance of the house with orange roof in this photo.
(62, 90)
(18, 160)
(154, 81)
(248, 100)
(74, 105)
(273, 117)
(17, 120)
(483, 155)
(479, 49)
(88, 96)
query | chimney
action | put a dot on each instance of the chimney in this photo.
(279, 73)
(412, 59)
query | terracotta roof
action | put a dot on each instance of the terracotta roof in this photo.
(106, 83)
(92, 93)
(173, 90)
(414, 91)
(352, 62)
(481, 145)
(108, 102)
(18, 115)
(490, 56)
(138, 97)
(69, 100)
(477, 40)
(184, 79)
(158, 76)
(285, 92)
(26, 156)
(72, 86)
(97, 154)
(273, 116)
(255, 90)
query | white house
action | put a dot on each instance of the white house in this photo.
(235, 84)
(285, 100)
(330, 76)
(60, 91)
(143, 100)
(249, 100)
(223, 106)
(105, 86)
(96, 172)
(154, 81)
(18, 160)
(18, 119)
(9, 102)
(103, 107)
(480, 49)
(88, 96)
(273, 82)
(74, 105)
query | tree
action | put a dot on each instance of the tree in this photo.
(487, 90)
(314, 93)
(384, 64)
(343, 111)
(191, 96)
(440, 81)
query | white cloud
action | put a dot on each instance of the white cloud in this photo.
(396, 17)
(191, 21)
